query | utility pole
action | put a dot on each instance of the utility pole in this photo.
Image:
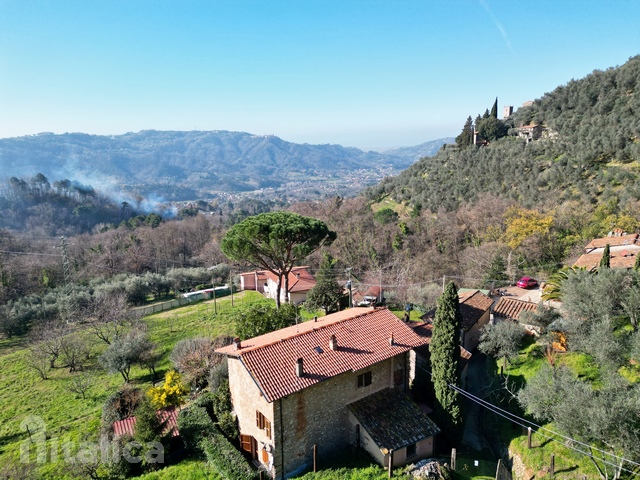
(350, 288)
(231, 285)
(66, 306)
(215, 305)
(444, 277)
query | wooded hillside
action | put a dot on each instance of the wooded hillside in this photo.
(590, 152)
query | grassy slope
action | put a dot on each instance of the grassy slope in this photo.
(68, 417)
(568, 463)
(22, 393)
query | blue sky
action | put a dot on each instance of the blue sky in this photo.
(369, 74)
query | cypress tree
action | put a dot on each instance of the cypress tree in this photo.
(445, 355)
(605, 261)
(466, 136)
(636, 265)
(494, 109)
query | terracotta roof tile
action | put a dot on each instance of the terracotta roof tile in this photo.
(362, 336)
(300, 280)
(473, 305)
(392, 419)
(612, 241)
(511, 307)
(624, 259)
(127, 425)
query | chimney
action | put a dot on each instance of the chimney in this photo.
(236, 343)
(333, 343)
(391, 341)
(315, 319)
(299, 368)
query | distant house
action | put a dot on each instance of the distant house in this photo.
(511, 308)
(623, 249)
(530, 132)
(371, 296)
(337, 381)
(265, 282)
(475, 310)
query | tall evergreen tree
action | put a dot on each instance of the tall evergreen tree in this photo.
(636, 265)
(494, 109)
(445, 355)
(466, 136)
(605, 261)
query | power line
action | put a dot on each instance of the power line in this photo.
(513, 418)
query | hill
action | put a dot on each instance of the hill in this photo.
(590, 151)
(198, 164)
(427, 149)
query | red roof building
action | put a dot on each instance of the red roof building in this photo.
(265, 282)
(168, 416)
(292, 388)
(623, 250)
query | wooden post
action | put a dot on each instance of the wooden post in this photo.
(453, 459)
(529, 437)
(315, 458)
(553, 465)
(498, 469)
(260, 474)
(390, 462)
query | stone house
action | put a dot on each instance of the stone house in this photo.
(265, 282)
(332, 382)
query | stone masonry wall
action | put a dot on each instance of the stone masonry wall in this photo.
(319, 415)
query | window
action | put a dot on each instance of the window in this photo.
(364, 379)
(411, 450)
(263, 423)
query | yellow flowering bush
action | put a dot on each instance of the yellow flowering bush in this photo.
(171, 393)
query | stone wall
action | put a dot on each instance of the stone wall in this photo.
(319, 415)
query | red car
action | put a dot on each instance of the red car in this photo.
(527, 282)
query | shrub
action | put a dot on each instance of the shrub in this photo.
(193, 424)
(171, 393)
(225, 458)
(120, 405)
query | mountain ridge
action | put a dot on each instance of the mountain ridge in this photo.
(200, 164)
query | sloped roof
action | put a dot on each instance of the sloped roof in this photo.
(623, 259)
(512, 308)
(300, 280)
(362, 336)
(473, 305)
(169, 416)
(613, 241)
(392, 419)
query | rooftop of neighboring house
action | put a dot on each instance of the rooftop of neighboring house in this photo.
(300, 280)
(392, 420)
(623, 248)
(616, 239)
(168, 416)
(473, 305)
(512, 307)
(363, 337)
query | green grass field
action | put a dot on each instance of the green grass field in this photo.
(25, 398)
(47, 406)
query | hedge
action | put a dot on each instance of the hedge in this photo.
(225, 458)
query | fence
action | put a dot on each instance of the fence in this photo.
(181, 301)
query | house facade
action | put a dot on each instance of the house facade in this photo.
(318, 384)
(265, 282)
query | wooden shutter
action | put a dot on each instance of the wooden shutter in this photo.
(267, 426)
(246, 442)
(265, 456)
